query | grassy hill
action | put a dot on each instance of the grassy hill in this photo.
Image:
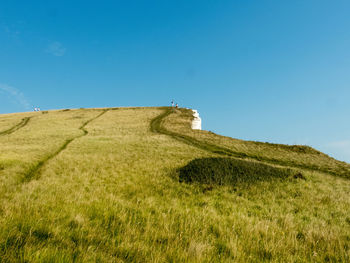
(138, 185)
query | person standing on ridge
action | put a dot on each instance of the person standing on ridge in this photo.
(172, 103)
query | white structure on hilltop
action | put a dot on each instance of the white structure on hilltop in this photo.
(197, 121)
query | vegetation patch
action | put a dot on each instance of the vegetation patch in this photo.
(226, 171)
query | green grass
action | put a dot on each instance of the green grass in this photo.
(16, 127)
(228, 171)
(176, 123)
(34, 171)
(112, 194)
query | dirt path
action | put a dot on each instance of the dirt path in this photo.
(34, 172)
(16, 127)
(156, 126)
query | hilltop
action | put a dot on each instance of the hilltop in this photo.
(139, 185)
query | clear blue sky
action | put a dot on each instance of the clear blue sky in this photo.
(276, 71)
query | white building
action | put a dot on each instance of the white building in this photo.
(197, 121)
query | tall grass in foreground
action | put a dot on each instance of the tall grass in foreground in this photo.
(114, 196)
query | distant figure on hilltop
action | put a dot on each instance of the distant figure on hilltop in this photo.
(172, 103)
(177, 105)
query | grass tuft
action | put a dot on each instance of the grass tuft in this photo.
(228, 171)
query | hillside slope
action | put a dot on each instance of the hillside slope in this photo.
(177, 124)
(103, 185)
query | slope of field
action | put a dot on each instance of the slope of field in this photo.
(10, 124)
(102, 185)
(177, 124)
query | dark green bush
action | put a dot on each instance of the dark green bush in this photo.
(226, 171)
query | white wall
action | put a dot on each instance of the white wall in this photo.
(197, 121)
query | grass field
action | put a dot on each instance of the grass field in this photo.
(102, 185)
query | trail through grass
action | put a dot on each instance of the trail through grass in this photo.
(201, 139)
(16, 127)
(34, 172)
(114, 195)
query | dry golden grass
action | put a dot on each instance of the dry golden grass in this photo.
(113, 195)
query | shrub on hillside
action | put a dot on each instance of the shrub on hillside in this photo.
(226, 171)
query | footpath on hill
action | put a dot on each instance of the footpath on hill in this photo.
(156, 126)
(16, 127)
